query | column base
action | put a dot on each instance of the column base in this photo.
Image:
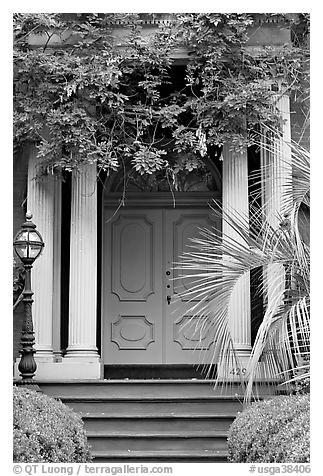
(81, 356)
(42, 357)
(65, 370)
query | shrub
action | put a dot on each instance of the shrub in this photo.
(46, 430)
(276, 430)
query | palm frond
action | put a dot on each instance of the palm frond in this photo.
(292, 175)
(219, 260)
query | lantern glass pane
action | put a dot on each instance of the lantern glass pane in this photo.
(22, 236)
(34, 250)
(33, 236)
(22, 250)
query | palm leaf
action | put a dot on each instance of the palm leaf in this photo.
(217, 262)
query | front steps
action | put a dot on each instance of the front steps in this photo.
(173, 420)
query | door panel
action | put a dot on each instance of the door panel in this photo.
(188, 340)
(133, 257)
(147, 317)
(132, 295)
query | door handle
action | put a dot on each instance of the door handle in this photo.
(169, 298)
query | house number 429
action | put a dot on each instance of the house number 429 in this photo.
(238, 371)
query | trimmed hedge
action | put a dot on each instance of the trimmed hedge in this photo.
(46, 430)
(276, 430)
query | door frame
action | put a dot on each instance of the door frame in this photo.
(162, 200)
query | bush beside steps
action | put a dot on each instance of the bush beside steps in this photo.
(276, 430)
(46, 430)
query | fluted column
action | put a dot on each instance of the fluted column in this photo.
(235, 203)
(276, 162)
(83, 267)
(40, 201)
(277, 166)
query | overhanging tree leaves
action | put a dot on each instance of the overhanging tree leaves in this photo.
(86, 93)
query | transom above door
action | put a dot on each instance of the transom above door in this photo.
(146, 318)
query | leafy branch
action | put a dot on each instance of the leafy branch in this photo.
(84, 94)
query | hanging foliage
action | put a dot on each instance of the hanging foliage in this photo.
(97, 88)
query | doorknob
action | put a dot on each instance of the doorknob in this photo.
(169, 298)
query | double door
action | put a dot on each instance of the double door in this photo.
(146, 315)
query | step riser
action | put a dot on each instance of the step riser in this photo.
(152, 444)
(140, 459)
(136, 390)
(146, 408)
(156, 425)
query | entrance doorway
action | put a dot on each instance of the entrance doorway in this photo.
(146, 318)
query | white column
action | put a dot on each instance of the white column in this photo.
(83, 268)
(276, 162)
(40, 201)
(235, 203)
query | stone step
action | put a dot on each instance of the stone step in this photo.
(157, 422)
(139, 388)
(149, 420)
(171, 441)
(219, 456)
(146, 405)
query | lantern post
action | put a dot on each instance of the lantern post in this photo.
(28, 245)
